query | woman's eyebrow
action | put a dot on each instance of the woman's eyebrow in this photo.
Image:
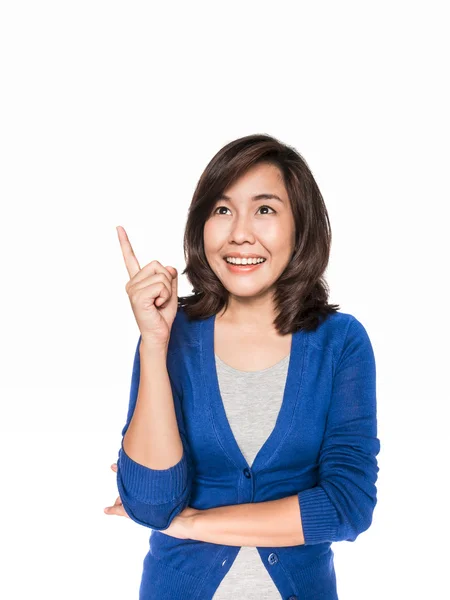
(256, 197)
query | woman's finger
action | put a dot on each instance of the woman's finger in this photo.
(145, 282)
(131, 262)
(116, 509)
(148, 271)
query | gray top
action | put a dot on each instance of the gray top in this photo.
(252, 401)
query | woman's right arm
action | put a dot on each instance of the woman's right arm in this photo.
(153, 474)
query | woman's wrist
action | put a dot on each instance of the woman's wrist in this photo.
(190, 519)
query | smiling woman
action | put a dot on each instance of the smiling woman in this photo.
(272, 389)
(258, 197)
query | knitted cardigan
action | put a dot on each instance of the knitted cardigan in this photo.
(323, 448)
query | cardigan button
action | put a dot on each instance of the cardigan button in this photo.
(273, 558)
(247, 473)
(292, 598)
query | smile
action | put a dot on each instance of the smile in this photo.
(243, 268)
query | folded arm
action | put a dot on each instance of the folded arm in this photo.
(264, 524)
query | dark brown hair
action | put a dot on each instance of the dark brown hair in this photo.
(301, 292)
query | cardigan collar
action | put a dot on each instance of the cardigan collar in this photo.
(284, 419)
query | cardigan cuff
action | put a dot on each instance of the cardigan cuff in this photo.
(152, 486)
(320, 520)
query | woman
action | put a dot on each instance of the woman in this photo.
(251, 438)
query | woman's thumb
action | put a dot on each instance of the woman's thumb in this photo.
(174, 274)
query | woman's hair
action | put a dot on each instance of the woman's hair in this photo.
(301, 292)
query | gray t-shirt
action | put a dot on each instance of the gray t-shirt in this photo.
(252, 401)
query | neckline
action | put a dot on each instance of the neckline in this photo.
(238, 372)
(289, 400)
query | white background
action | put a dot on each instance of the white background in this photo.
(109, 113)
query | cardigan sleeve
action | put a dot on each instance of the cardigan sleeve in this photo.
(153, 497)
(340, 507)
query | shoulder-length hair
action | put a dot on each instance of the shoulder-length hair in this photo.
(301, 292)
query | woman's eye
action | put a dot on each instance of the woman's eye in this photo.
(219, 207)
(226, 208)
(270, 208)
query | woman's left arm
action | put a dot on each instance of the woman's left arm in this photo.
(264, 524)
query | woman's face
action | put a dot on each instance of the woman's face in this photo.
(242, 225)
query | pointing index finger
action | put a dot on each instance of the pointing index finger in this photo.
(131, 262)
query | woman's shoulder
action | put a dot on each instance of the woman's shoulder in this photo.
(338, 323)
(339, 330)
(184, 332)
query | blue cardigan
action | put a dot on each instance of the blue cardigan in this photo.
(323, 448)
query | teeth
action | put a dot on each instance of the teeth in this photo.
(244, 261)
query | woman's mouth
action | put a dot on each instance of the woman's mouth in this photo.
(243, 268)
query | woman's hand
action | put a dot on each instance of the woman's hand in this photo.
(117, 508)
(153, 294)
(180, 526)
